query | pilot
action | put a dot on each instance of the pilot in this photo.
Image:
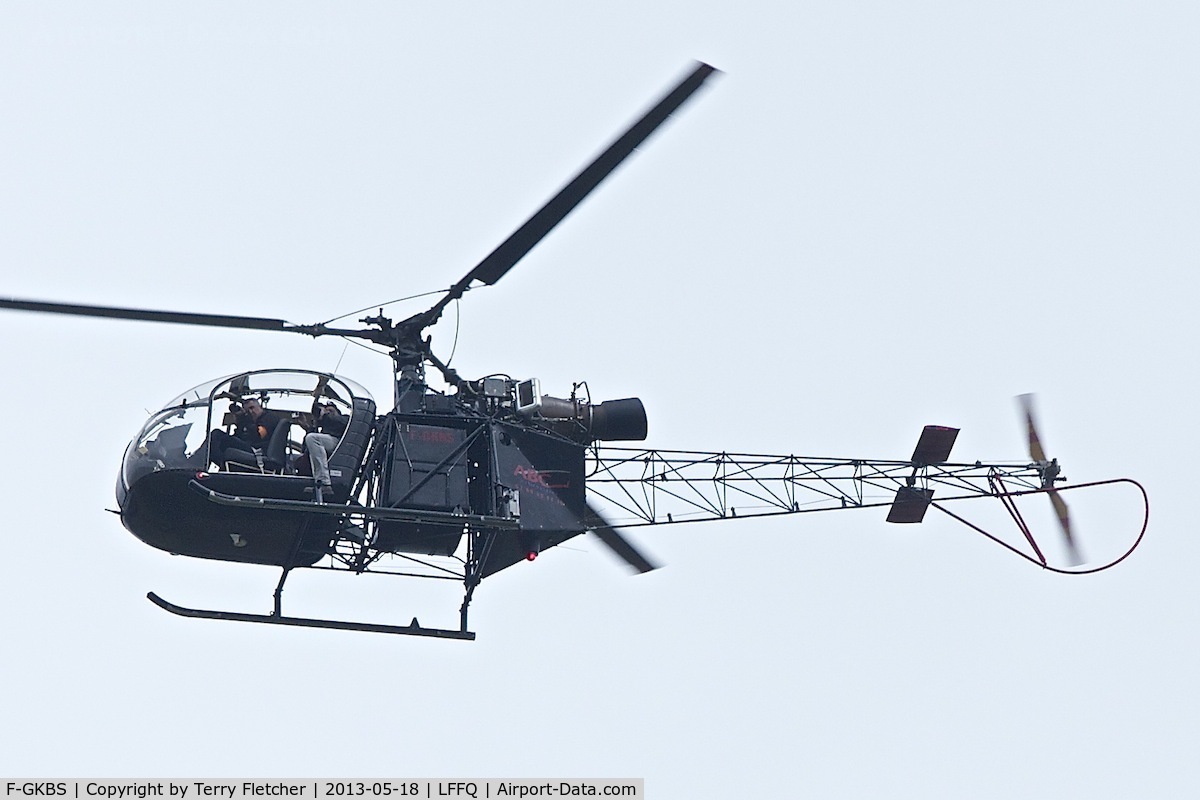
(322, 442)
(255, 425)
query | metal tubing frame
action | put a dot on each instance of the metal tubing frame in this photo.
(662, 487)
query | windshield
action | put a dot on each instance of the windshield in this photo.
(177, 436)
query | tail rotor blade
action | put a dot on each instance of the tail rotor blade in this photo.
(621, 546)
(1064, 520)
(1049, 470)
(1035, 445)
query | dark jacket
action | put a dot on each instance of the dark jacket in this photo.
(333, 423)
(257, 432)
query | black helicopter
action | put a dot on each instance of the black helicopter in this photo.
(466, 482)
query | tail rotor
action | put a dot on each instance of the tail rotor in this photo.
(1049, 470)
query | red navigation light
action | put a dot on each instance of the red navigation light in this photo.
(531, 555)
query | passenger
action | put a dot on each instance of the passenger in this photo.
(321, 443)
(255, 425)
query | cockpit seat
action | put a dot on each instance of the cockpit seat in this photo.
(345, 460)
(273, 458)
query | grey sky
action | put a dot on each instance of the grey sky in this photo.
(883, 215)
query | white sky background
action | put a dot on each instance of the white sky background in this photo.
(883, 215)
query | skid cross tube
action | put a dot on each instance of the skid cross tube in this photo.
(291, 562)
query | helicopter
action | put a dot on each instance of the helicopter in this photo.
(462, 483)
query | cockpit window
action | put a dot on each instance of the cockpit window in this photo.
(176, 437)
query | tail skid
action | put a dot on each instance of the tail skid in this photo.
(1036, 556)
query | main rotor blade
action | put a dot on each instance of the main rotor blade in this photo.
(513, 249)
(623, 548)
(215, 320)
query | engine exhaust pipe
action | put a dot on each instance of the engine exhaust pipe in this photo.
(611, 421)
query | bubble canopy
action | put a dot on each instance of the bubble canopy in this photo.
(176, 436)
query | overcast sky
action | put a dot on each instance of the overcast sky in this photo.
(882, 215)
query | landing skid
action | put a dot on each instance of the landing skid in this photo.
(412, 629)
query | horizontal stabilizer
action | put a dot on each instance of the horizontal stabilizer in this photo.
(934, 445)
(910, 503)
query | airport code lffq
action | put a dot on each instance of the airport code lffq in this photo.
(631, 788)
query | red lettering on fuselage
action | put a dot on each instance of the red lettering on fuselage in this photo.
(549, 478)
(423, 434)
